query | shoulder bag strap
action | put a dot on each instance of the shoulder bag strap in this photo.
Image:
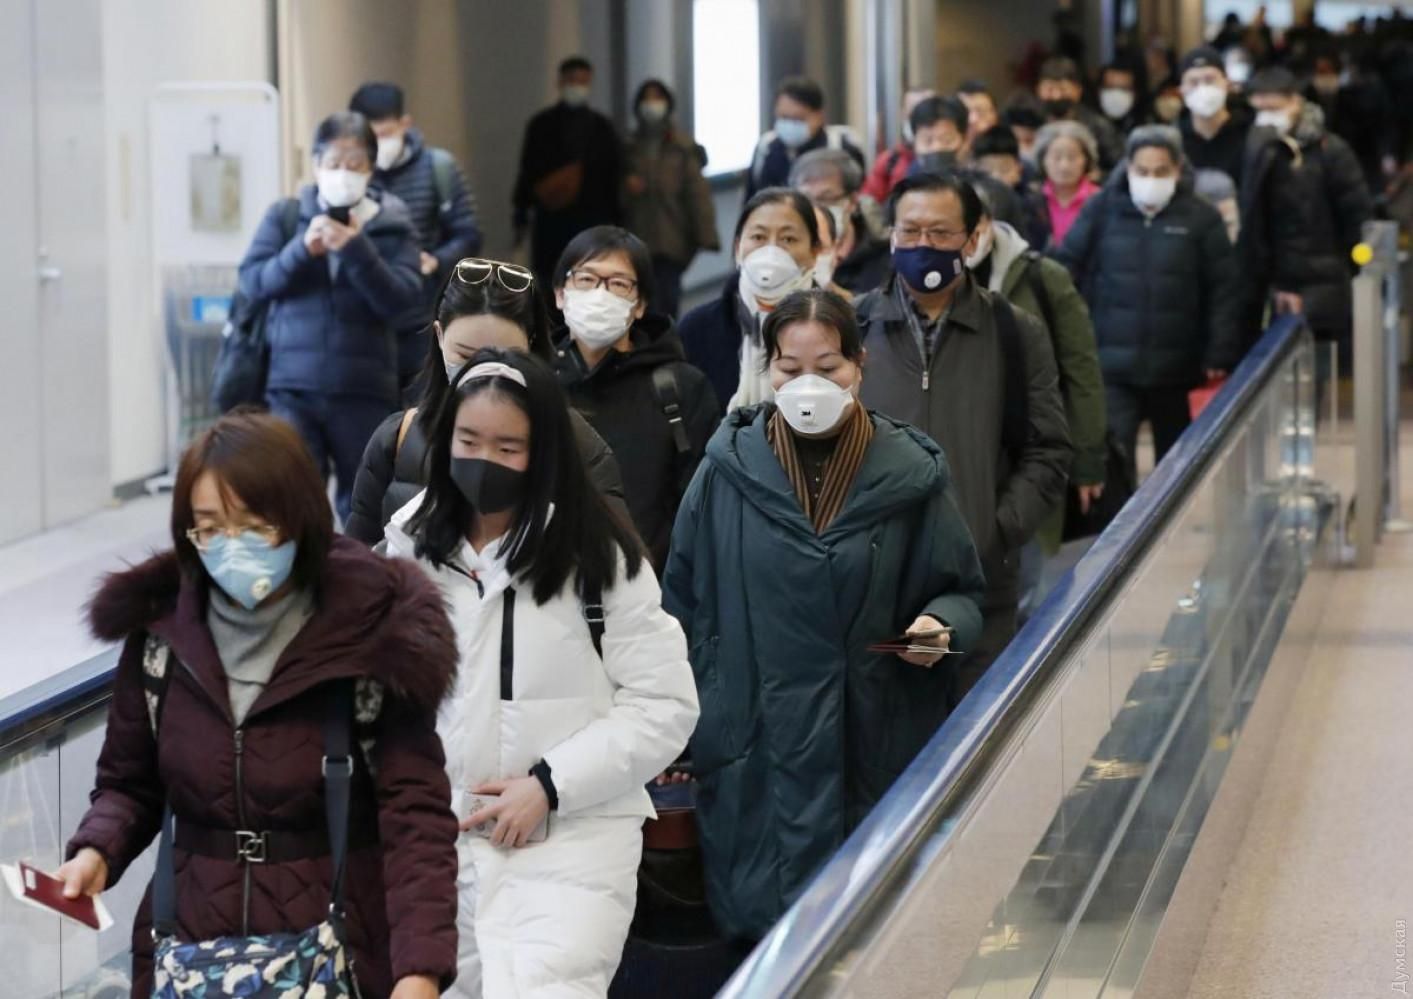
(1015, 415)
(592, 597)
(338, 781)
(408, 416)
(1036, 280)
(669, 400)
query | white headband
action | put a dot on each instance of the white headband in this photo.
(491, 369)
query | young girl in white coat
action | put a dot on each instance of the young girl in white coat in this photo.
(574, 688)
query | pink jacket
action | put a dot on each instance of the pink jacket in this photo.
(1062, 216)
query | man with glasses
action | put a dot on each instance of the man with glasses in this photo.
(978, 377)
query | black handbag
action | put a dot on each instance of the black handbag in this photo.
(243, 363)
(1119, 487)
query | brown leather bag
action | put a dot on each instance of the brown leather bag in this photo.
(559, 188)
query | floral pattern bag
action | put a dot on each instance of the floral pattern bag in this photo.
(312, 964)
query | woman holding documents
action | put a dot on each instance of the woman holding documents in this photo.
(823, 573)
(573, 689)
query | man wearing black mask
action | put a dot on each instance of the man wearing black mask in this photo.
(1060, 90)
(978, 377)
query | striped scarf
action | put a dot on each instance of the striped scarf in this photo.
(839, 471)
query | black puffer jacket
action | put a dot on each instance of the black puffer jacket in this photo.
(1303, 207)
(618, 398)
(391, 477)
(1164, 292)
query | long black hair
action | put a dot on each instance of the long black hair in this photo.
(459, 299)
(581, 538)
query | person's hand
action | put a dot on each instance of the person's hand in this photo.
(314, 236)
(940, 642)
(1088, 493)
(429, 264)
(1289, 303)
(1216, 375)
(337, 235)
(86, 874)
(521, 808)
(676, 777)
(635, 184)
(416, 987)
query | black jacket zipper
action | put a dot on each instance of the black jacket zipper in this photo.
(240, 816)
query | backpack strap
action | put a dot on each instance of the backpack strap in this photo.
(289, 218)
(592, 599)
(156, 677)
(669, 400)
(408, 415)
(443, 176)
(1015, 418)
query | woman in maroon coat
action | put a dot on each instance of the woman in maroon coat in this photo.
(263, 609)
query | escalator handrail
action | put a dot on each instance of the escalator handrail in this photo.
(39, 705)
(877, 853)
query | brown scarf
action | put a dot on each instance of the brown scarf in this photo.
(839, 471)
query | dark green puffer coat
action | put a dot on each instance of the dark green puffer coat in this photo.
(802, 729)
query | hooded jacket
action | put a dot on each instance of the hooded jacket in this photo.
(803, 729)
(389, 477)
(331, 319)
(619, 400)
(1304, 203)
(375, 618)
(1164, 292)
(961, 404)
(674, 213)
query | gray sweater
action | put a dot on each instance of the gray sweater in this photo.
(250, 643)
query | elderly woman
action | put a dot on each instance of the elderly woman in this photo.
(1163, 296)
(1067, 154)
(833, 181)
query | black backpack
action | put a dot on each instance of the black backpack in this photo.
(244, 359)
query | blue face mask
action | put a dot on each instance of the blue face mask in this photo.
(792, 131)
(926, 268)
(248, 568)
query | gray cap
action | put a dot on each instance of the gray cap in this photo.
(1162, 136)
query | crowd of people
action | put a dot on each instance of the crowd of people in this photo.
(590, 549)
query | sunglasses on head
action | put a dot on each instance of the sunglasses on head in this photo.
(512, 277)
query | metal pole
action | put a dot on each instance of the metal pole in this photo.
(1369, 415)
(1391, 311)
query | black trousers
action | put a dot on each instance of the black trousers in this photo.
(1165, 408)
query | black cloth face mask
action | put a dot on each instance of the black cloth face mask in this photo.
(488, 486)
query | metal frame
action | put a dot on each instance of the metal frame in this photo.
(856, 881)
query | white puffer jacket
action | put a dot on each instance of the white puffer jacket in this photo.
(606, 726)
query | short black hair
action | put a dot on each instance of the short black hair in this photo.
(652, 83)
(938, 109)
(1274, 80)
(1022, 116)
(817, 305)
(574, 64)
(998, 140)
(346, 125)
(377, 101)
(997, 200)
(974, 87)
(600, 241)
(802, 89)
(780, 196)
(1119, 67)
(1061, 68)
(580, 543)
(936, 183)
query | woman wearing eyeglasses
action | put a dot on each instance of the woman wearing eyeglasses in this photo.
(624, 370)
(235, 643)
(485, 303)
(573, 688)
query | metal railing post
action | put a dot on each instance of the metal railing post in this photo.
(1370, 413)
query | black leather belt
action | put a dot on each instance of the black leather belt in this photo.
(279, 846)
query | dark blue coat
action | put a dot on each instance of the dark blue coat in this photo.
(334, 334)
(802, 728)
(711, 338)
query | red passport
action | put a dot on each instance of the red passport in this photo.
(33, 887)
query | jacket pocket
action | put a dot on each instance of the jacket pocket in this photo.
(713, 743)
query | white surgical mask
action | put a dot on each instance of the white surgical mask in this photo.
(841, 217)
(574, 94)
(824, 269)
(597, 318)
(652, 111)
(1115, 102)
(984, 243)
(813, 406)
(768, 274)
(1281, 121)
(1206, 100)
(389, 149)
(1238, 71)
(1151, 194)
(341, 188)
(792, 131)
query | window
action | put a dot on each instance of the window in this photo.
(726, 81)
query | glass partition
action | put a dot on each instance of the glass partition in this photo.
(1045, 862)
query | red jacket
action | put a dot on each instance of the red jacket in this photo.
(889, 168)
(375, 617)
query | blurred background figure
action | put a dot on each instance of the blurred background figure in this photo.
(800, 127)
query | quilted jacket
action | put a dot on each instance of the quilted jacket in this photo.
(375, 618)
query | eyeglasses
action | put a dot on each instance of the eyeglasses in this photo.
(909, 235)
(201, 538)
(512, 277)
(587, 281)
